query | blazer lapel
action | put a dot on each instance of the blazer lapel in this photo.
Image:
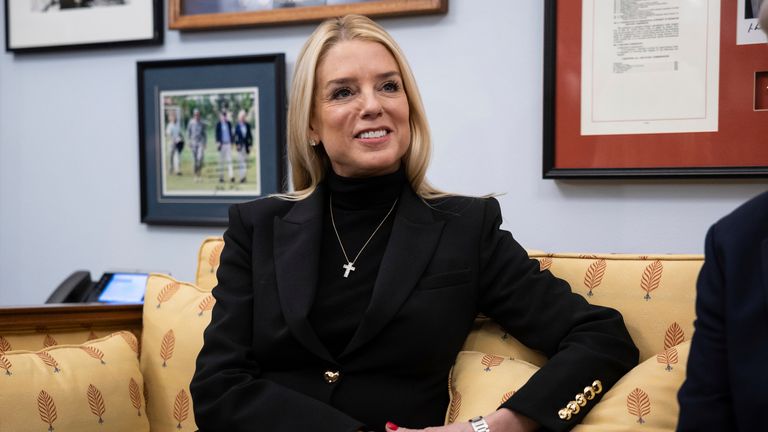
(415, 235)
(297, 238)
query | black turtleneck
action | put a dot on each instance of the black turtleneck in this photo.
(359, 205)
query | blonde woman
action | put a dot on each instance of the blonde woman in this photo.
(342, 306)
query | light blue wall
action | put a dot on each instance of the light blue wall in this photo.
(69, 169)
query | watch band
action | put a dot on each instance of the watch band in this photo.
(479, 424)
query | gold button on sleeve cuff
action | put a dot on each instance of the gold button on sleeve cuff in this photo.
(598, 386)
(574, 407)
(581, 399)
(589, 392)
(564, 414)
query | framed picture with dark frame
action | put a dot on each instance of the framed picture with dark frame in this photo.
(53, 25)
(211, 134)
(663, 89)
(216, 14)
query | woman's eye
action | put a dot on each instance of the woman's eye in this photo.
(391, 86)
(341, 93)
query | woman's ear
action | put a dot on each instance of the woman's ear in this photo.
(312, 133)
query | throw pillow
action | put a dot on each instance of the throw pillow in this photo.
(175, 316)
(95, 386)
(643, 399)
(480, 382)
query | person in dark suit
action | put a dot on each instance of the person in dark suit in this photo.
(225, 137)
(726, 382)
(341, 306)
(243, 143)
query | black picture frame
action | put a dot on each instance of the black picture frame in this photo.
(218, 82)
(129, 29)
(740, 58)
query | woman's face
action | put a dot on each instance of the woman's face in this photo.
(360, 111)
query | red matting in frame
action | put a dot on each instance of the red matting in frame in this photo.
(740, 143)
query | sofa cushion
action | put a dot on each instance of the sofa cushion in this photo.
(95, 386)
(489, 337)
(175, 316)
(208, 262)
(643, 399)
(480, 382)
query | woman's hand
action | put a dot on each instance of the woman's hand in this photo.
(502, 420)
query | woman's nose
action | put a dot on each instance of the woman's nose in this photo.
(371, 105)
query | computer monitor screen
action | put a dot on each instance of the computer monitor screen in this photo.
(124, 288)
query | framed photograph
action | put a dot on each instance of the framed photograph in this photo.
(49, 25)
(211, 134)
(212, 14)
(662, 89)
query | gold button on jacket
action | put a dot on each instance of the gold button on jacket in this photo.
(331, 376)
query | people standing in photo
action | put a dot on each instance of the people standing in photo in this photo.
(243, 142)
(224, 140)
(197, 139)
(175, 143)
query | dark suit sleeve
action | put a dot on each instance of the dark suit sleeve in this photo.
(705, 397)
(584, 342)
(227, 390)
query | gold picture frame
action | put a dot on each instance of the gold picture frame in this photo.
(238, 14)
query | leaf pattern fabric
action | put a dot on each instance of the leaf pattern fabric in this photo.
(135, 395)
(167, 293)
(594, 276)
(49, 341)
(4, 345)
(651, 278)
(167, 346)
(490, 360)
(674, 336)
(47, 409)
(96, 402)
(668, 357)
(5, 364)
(181, 408)
(49, 360)
(215, 256)
(94, 352)
(206, 304)
(638, 404)
(455, 406)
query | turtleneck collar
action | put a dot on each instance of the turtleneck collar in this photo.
(367, 192)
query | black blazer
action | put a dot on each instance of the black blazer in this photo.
(727, 384)
(262, 367)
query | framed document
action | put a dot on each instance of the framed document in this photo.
(213, 14)
(48, 25)
(211, 133)
(652, 89)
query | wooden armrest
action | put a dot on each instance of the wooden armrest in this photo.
(67, 315)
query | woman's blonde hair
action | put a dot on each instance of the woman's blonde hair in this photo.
(309, 163)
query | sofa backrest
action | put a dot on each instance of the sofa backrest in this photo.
(655, 294)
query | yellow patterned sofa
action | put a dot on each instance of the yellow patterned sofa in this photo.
(127, 367)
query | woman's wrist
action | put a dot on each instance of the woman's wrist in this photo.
(506, 420)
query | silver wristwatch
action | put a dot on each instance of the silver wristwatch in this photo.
(479, 424)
